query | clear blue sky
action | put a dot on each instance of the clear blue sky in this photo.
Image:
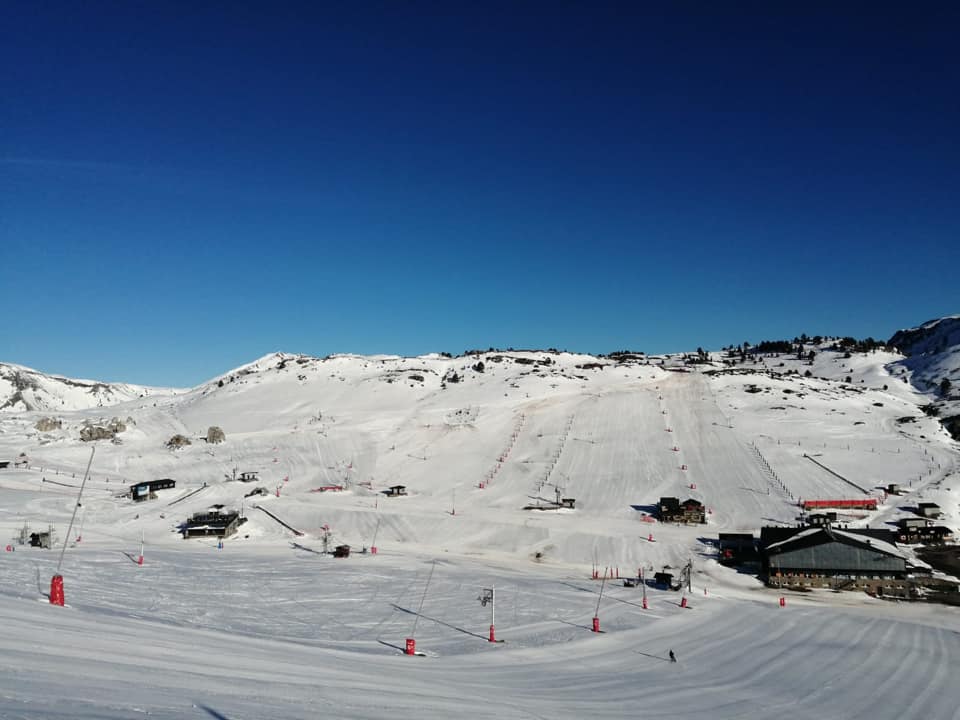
(185, 187)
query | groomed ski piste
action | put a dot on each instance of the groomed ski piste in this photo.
(271, 627)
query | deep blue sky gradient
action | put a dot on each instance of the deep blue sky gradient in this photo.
(185, 186)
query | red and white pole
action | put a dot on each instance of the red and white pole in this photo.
(596, 613)
(140, 559)
(56, 582)
(56, 590)
(493, 613)
(373, 544)
(411, 647)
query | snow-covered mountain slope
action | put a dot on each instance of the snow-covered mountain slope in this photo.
(268, 626)
(932, 365)
(476, 439)
(23, 389)
(931, 338)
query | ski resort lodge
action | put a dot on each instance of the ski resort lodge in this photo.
(212, 523)
(809, 557)
(688, 511)
(923, 531)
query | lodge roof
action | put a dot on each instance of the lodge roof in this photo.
(810, 537)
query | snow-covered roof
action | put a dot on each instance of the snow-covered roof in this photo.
(849, 537)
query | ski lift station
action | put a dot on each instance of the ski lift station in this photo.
(148, 490)
(44, 539)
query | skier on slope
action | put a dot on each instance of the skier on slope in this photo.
(673, 658)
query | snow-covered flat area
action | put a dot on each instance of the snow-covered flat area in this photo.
(201, 632)
(270, 627)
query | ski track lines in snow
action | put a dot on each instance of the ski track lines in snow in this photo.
(737, 659)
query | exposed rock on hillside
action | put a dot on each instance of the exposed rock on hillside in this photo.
(215, 435)
(933, 336)
(117, 425)
(91, 432)
(48, 424)
(933, 360)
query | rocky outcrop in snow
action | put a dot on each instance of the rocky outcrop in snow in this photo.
(933, 359)
(215, 435)
(930, 338)
(178, 441)
(48, 424)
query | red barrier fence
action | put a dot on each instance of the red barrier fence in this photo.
(859, 504)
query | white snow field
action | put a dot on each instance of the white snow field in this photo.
(270, 627)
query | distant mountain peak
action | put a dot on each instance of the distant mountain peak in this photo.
(24, 389)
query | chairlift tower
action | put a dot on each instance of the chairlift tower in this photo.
(325, 529)
(488, 595)
(686, 576)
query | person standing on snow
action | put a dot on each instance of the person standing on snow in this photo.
(673, 658)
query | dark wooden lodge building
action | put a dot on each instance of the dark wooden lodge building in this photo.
(738, 548)
(212, 523)
(148, 490)
(671, 509)
(912, 531)
(829, 557)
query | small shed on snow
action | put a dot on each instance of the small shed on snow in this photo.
(147, 490)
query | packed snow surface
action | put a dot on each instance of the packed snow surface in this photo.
(270, 626)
